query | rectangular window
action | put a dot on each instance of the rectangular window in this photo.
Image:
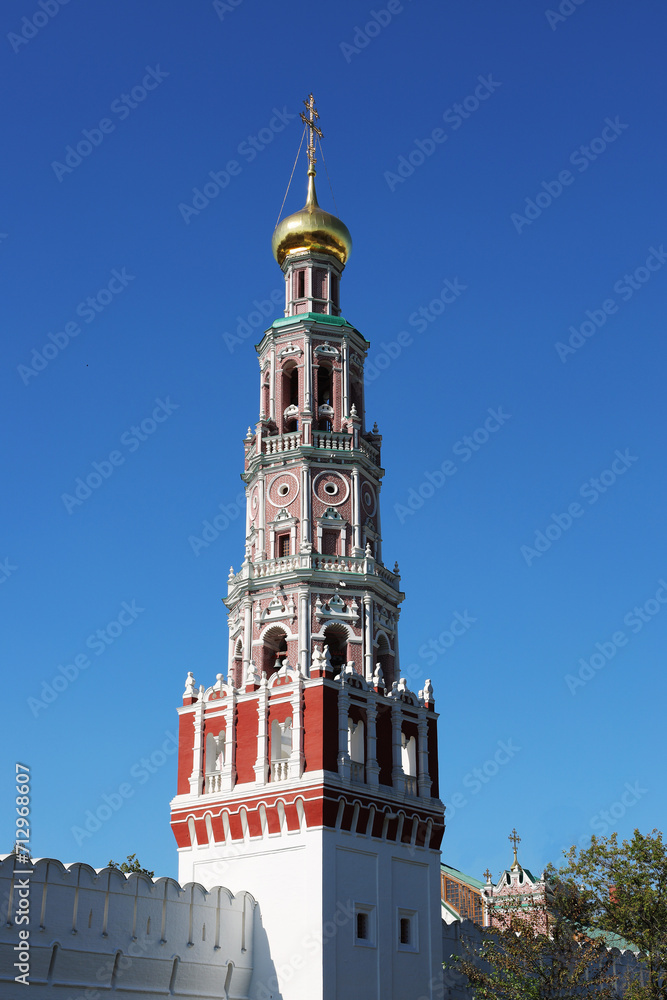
(407, 937)
(282, 545)
(300, 284)
(334, 289)
(319, 283)
(364, 925)
(329, 543)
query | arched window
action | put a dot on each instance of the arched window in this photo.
(324, 396)
(274, 649)
(281, 739)
(290, 394)
(215, 752)
(355, 740)
(335, 636)
(385, 658)
(409, 755)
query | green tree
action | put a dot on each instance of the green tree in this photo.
(131, 865)
(538, 952)
(624, 890)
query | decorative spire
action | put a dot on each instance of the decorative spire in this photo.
(516, 840)
(314, 131)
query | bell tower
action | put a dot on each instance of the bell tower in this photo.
(308, 777)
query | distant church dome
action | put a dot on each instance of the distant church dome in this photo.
(312, 229)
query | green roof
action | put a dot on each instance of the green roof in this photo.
(461, 876)
(318, 317)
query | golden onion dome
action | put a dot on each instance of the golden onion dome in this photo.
(311, 229)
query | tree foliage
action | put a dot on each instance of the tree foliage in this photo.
(131, 865)
(539, 952)
(623, 888)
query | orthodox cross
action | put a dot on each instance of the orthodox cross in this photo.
(314, 130)
(516, 839)
(487, 875)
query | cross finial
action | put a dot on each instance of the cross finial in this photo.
(516, 840)
(314, 130)
(487, 875)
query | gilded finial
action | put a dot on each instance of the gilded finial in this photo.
(516, 840)
(314, 130)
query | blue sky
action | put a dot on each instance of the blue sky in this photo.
(540, 199)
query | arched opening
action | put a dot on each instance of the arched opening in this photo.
(274, 649)
(215, 752)
(409, 755)
(290, 395)
(266, 393)
(356, 397)
(324, 396)
(385, 658)
(335, 636)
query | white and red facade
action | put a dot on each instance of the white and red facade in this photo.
(309, 776)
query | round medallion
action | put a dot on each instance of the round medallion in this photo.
(331, 488)
(283, 489)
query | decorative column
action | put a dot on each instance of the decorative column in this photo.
(230, 658)
(356, 524)
(372, 766)
(247, 635)
(306, 536)
(228, 776)
(368, 638)
(296, 760)
(304, 631)
(424, 779)
(397, 774)
(343, 712)
(346, 380)
(198, 747)
(262, 762)
(272, 386)
(261, 520)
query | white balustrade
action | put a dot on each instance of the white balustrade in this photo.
(410, 785)
(357, 770)
(212, 782)
(279, 770)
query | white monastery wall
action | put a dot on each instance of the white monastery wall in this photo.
(91, 933)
